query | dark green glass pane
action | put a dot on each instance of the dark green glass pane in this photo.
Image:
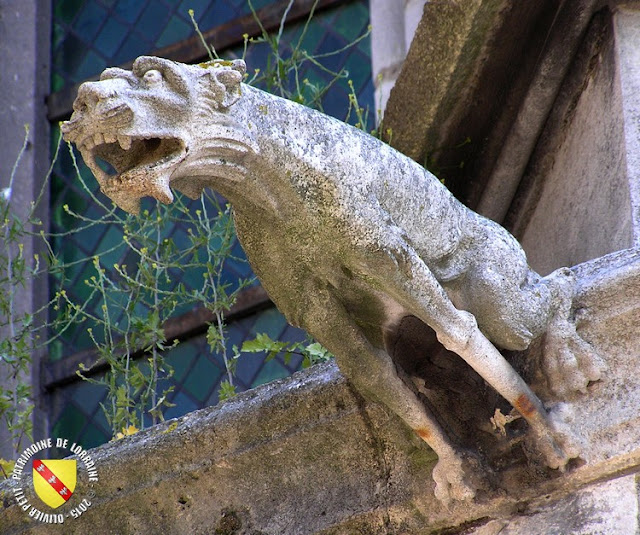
(70, 54)
(201, 379)
(57, 35)
(192, 278)
(87, 396)
(183, 405)
(219, 13)
(364, 46)
(94, 436)
(257, 4)
(99, 420)
(312, 37)
(70, 423)
(152, 21)
(180, 359)
(91, 65)
(199, 8)
(181, 238)
(57, 82)
(329, 44)
(271, 322)
(66, 10)
(90, 20)
(271, 371)
(134, 45)
(55, 351)
(111, 247)
(111, 37)
(81, 289)
(74, 258)
(89, 237)
(359, 70)
(176, 30)
(247, 367)
(351, 21)
(129, 10)
(83, 339)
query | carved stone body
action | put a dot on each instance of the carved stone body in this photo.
(348, 237)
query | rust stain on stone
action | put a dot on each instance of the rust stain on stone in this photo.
(524, 405)
(424, 434)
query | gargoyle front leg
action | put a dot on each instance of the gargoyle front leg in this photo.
(373, 374)
(419, 291)
(569, 362)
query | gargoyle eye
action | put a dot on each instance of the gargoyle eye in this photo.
(152, 77)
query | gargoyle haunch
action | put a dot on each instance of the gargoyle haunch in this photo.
(348, 237)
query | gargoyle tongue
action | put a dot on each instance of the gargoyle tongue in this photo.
(151, 180)
(125, 201)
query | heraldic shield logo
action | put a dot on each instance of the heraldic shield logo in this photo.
(54, 480)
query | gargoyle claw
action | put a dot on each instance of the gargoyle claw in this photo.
(557, 443)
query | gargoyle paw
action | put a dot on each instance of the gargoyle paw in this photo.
(451, 480)
(569, 362)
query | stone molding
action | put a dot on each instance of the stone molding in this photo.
(308, 455)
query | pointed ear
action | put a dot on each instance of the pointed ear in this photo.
(240, 66)
(211, 94)
(220, 83)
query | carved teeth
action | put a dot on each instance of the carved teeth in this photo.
(98, 139)
(110, 138)
(125, 142)
(89, 143)
(161, 191)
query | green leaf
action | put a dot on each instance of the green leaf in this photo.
(227, 390)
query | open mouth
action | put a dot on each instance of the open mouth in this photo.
(136, 166)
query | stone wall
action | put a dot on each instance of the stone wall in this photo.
(24, 65)
(554, 154)
(393, 26)
(577, 178)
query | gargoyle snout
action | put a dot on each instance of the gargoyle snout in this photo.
(104, 98)
(90, 93)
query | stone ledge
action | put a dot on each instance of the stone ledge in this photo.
(300, 454)
(308, 455)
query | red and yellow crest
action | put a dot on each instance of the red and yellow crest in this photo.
(54, 480)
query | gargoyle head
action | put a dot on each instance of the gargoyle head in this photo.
(144, 123)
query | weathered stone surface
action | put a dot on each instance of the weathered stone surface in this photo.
(609, 508)
(488, 72)
(393, 25)
(546, 128)
(577, 175)
(24, 73)
(627, 42)
(388, 47)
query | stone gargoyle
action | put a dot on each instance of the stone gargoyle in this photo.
(348, 237)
